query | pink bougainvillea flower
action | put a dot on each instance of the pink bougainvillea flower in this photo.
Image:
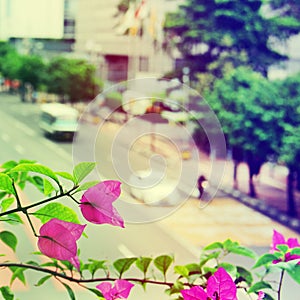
(120, 290)
(279, 239)
(220, 286)
(96, 203)
(261, 295)
(58, 240)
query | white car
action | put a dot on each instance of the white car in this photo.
(59, 120)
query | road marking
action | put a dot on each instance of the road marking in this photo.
(24, 128)
(125, 251)
(5, 137)
(20, 149)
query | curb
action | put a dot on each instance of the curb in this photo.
(267, 210)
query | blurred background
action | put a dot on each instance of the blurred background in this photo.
(223, 103)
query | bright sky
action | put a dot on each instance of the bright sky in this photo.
(35, 18)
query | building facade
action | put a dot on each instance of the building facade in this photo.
(39, 26)
(125, 42)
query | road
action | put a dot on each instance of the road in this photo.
(21, 138)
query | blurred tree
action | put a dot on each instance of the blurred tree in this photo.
(72, 77)
(242, 32)
(31, 71)
(244, 103)
(289, 149)
(10, 61)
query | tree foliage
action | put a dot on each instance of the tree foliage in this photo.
(206, 30)
(245, 104)
(72, 77)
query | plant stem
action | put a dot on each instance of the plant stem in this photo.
(18, 209)
(280, 285)
(81, 280)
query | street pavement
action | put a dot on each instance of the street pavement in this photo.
(228, 214)
(231, 213)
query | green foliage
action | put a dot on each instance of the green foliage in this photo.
(9, 239)
(56, 210)
(72, 77)
(162, 263)
(7, 293)
(82, 170)
(123, 264)
(91, 271)
(143, 264)
(32, 70)
(236, 31)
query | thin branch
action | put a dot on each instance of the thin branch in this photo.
(18, 209)
(81, 280)
(280, 285)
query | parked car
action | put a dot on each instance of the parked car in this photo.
(59, 121)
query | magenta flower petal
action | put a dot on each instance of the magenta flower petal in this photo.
(58, 240)
(97, 203)
(105, 288)
(123, 288)
(279, 239)
(261, 295)
(221, 284)
(120, 290)
(293, 243)
(194, 293)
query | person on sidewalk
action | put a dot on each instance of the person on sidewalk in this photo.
(202, 183)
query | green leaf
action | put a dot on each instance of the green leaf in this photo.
(70, 291)
(6, 184)
(182, 270)
(244, 275)
(123, 264)
(9, 239)
(37, 181)
(96, 292)
(244, 251)
(37, 168)
(66, 175)
(17, 273)
(43, 280)
(96, 265)
(56, 210)
(7, 293)
(291, 267)
(163, 262)
(213, 246)
(9, 165)
(48, 188)
(86, 186)
(6, 203)
(143, 264)
(294, 272)
(283, 248)
(207, 257)
(295, 251)
(258, 286)
(230, 268)
(265, 259)
(82, 170)
(13, 219)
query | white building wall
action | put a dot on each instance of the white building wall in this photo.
(31, 19)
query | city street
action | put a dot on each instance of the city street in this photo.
(150, 230)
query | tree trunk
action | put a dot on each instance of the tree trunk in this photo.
(235, 179)
(298, 179)
(291, 207)
(252, 192)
